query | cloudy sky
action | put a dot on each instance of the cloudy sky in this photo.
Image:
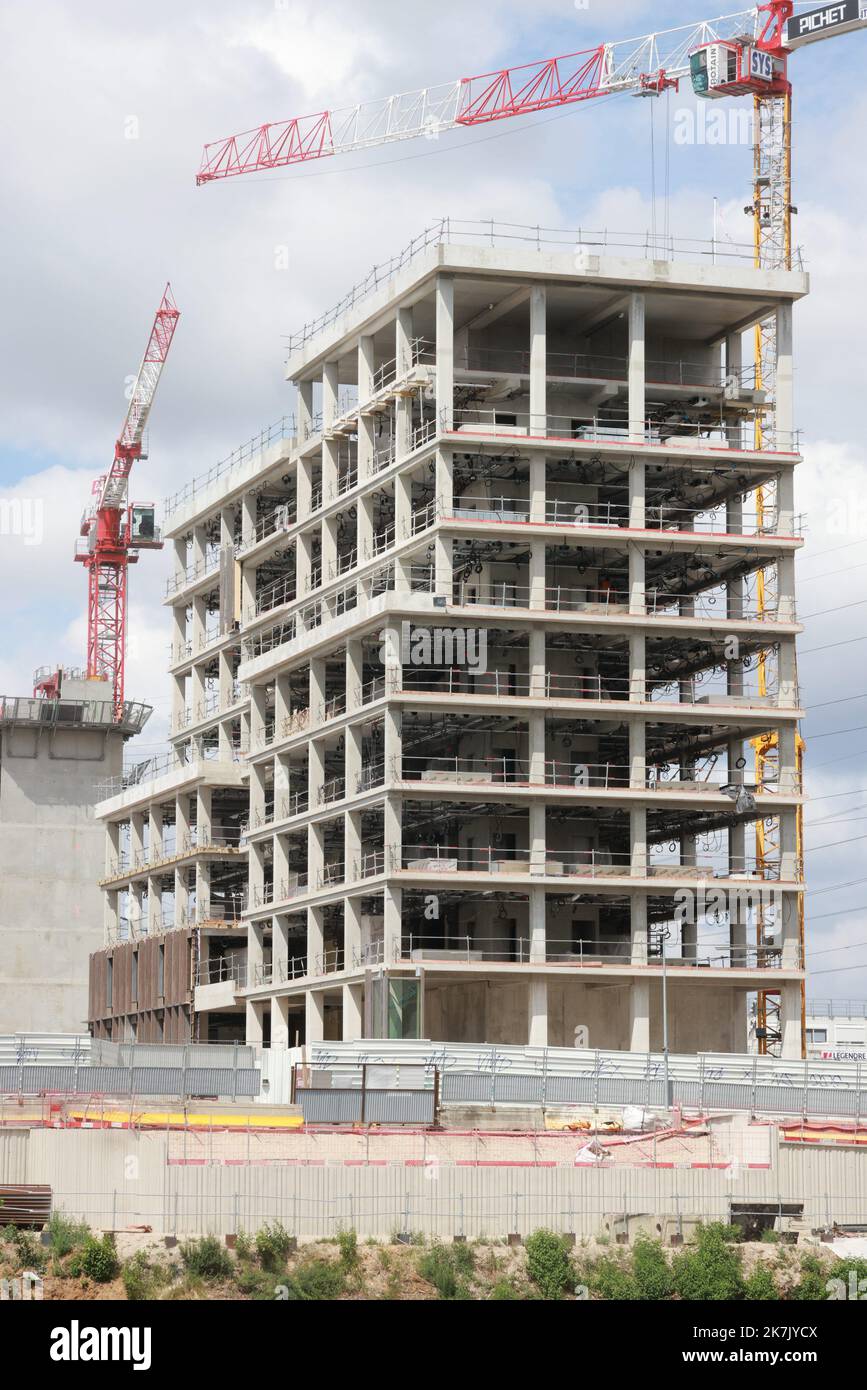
(108, 104)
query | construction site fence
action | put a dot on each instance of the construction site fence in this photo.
(366, 1095)
(230, 1083)
(383, 1203)
(489, 1075)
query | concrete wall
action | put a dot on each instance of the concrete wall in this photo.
(51, 853)
(702, 1018)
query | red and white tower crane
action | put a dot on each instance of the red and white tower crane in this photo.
(114, 529)
(744, 54)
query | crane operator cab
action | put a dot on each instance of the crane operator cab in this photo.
(735, 69)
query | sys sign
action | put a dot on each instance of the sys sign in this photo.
(761, 65)
(825, 22)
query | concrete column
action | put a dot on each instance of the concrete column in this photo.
(304, 491)
(445, 350)
(182, 557)
(305, 410)
(788, 676)
(392, 925)
(136, 839)
(255, 1010)
(785, 397)
(155, 833)
(352, 838)
(638, 928)
(786, 502)
(280, 852)
(203, 891)
(537, 748)
(787, 737)
(637, 754)
(182, 833)
(354, 672)
(314, 1015)
(403, 358)
(366, 423)
(392, 813)
(255, 951)
(538, 360)
(315, 857)
(280, 1020)
(353, 1011)
(637, 668)
(352, 765)
(352, 932)
(788, 845)
(790, 1019)
(179, 631)
(258, 715)
(538, 489)
(639, 1016)
(638, 841)
(637, 411)
(538, 924)
(538, 574)
(637, 494)
(538, 658)
(402, 507)
(537, 1012)
(637, 602)
(154, 905)
(330, 381)
(786, 589)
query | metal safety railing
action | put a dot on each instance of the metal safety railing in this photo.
(459, 231)
(284, 428)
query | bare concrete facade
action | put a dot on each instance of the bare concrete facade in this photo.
(53, 753)
(468, 662)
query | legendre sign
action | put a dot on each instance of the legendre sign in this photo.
(830, 19)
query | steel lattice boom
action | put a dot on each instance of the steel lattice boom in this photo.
(114, 531)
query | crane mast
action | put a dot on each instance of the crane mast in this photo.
(746, 53)
(113, 530)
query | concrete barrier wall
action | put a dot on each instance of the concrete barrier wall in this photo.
(116, 1179)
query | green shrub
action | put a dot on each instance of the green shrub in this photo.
(316, 1281)
(98, 1259)
(812, 1287)
(712, 1271)
(650, 1270)
(348, 1242)
(612, 1280)
(761, 1287)
(273, 1244)
(770, 1237)
(65, 1235)
(29, 1252)
(245, 1246)
(143, 1280)
(207, 1258)
(844, 1268)
(548, 1264)
(447, 1270)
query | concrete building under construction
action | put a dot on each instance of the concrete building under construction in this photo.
(52, 753)
(469, 665)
